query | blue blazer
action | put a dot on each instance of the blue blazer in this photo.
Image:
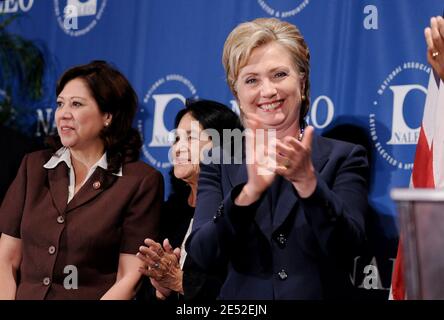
(282, 246)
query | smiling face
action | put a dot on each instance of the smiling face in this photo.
(187, 148)
(270, 86)
(78, 117)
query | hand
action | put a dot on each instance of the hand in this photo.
(434, 36)
(260, 166)
(161, 292)
(294, 163)
(161, 265)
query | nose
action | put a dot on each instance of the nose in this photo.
(268, 89)
(180, 147)
(63, 113)
(66, 114)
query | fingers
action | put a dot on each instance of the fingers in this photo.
(142, 255)
(177, 253)
(434, 32)
(288, 150)
(294, 156)
(435, 40)
(252, 120)
(307, 138)
(430, 46)
(441, 26)
(428, 38)
(167, 246)
(434, 36)
(144, 271)
(159, 295)
(148, 271)
(149, 254)
(161, 292)
(155, 246)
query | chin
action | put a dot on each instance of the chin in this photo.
(180, 172)
(184, 172)
(67, 144)
(274, 122)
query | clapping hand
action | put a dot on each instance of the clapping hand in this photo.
(293, 158)
(161, 265)
(434, 36)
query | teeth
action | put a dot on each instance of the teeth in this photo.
(270, 106)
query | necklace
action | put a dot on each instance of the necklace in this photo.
(301, 134)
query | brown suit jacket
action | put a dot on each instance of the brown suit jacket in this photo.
(109, 215)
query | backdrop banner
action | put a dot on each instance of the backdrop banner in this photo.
(369, 73)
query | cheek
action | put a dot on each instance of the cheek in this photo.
(246, 100)
(246, 92)
(179, 150)
(174, 150)
(195, 155)
(57, 115)
(93, 125)
(206, 146)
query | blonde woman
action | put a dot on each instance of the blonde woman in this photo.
(287, 233)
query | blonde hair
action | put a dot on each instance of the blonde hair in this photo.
(249, 35)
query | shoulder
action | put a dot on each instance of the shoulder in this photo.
(38, 157)
(333, 146)
(335, 154)
(140, 169)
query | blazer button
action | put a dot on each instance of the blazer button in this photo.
(96, 185)
(52, 250)
(60, 219)
(281, 240)
(283, 274)
(220, 210)
(46, 281)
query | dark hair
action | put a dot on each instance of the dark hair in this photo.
(210, 115)
(114, 95)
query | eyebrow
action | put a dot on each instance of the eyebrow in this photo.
(181, 130)
(269, 71)
(74, 97)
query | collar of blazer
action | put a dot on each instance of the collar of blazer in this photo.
(58, 179)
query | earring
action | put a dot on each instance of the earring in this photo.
(106, 124)
(303, 97)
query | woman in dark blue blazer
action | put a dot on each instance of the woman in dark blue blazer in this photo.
(290, 217)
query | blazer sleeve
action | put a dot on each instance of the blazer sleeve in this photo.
(336, 210)
(217, 220)
(142, 218)
(199, 285)
(13, 204)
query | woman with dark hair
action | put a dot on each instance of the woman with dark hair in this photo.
(172, 270)
(74, 217)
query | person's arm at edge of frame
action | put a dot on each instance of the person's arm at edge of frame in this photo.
(127, 280)
(145, 204)
(10, 259)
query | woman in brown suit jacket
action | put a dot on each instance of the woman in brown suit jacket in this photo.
(74, 218)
